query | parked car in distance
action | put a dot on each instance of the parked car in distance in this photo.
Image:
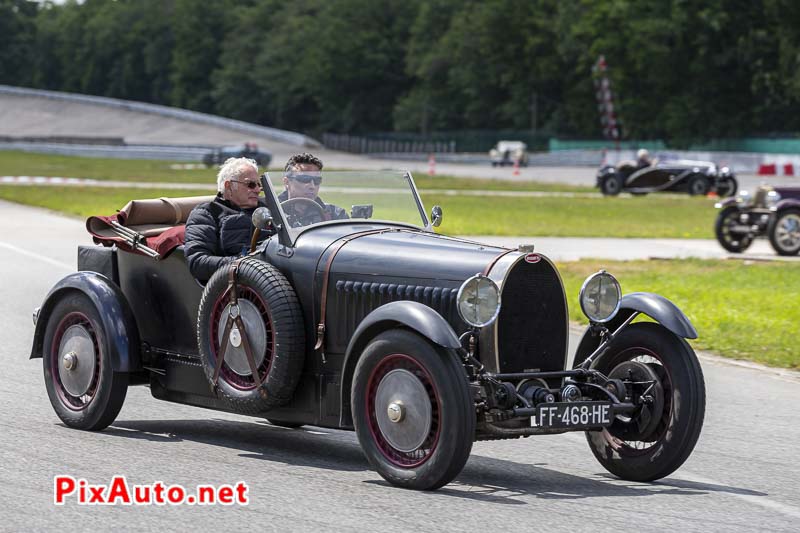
(420, 342)
(508, 152)
(217, 156)
(773, 212)
(694, 177)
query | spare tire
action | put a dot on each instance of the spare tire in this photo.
(273, 322)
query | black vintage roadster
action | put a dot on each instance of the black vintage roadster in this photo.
(693, 177)
(419, 342)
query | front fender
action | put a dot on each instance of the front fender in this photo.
(655, 306)
(117, 318)
(787, 203)
(726, 202)
(414, 315)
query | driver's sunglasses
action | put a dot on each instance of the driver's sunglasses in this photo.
(305, 178)
(250, 184)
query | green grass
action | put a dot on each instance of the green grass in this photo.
(16, 163)
(743, 310)
(86, 201)
(651, 216)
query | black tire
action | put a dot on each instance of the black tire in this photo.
(265, 295)
(784, 231)
(698, 185)
(437, 444)
(733, 242)
(611, 185)
(89, 395)
(727, 187)
(677, 421)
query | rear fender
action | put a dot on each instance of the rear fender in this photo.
(414, 315)
(655, 306)
(118, 322)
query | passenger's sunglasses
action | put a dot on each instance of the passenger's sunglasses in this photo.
(250, 184)
(305, 178)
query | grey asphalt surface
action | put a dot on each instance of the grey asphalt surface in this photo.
(741, 477)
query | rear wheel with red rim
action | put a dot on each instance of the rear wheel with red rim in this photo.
(84, 390)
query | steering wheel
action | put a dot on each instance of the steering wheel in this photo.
(310, 212)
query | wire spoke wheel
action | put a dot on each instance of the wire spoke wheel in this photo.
(665, 381)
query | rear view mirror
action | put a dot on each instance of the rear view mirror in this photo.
(436, 216)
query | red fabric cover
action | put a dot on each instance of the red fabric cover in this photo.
(168, 240)
(164, 243)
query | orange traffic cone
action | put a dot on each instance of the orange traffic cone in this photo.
(431, 165)
(516, 167)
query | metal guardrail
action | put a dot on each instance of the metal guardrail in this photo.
(288, 137)
(130, 151)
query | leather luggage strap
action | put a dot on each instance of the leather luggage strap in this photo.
(235, 317)
(338, 245)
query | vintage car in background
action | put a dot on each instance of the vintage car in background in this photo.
(508, 153)
(694, 177)
(420, 342)
(217, 156)
(773, 212)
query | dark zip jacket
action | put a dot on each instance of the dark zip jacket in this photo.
(217, 232)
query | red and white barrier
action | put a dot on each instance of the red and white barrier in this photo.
(780, 166)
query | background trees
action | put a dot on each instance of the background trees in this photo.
(681, 69)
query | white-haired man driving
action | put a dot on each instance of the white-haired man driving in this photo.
(219, 231)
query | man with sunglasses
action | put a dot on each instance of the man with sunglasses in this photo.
(219, 231)
(300, 200)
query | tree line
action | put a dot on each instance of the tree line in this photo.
(680, 69)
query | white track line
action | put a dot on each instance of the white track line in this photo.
(34, 255)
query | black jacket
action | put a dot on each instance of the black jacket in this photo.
(216, 233)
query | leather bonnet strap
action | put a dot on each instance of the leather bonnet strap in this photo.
(335, 247)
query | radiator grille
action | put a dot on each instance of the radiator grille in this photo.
(532, 326)
(356, 299)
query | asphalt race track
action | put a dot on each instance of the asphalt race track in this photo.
(742, 476)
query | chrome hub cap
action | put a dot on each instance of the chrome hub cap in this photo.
(256, 332)
(403, 410)
(395, 412)
(787, 233)
(76, 360)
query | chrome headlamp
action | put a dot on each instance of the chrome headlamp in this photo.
(772, 199)
(600, 296)
(745, 197)
(478, 301)
(725, 171)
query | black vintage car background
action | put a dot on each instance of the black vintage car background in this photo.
(217, 156)
(772, 212)
(420, 342)
(693, 177)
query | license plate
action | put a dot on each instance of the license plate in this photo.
(573, 415)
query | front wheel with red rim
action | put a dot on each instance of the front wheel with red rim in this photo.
(663, 376)
(412, 410)
(84, 390)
